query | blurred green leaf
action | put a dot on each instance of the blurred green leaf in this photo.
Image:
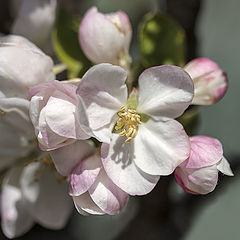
(190, 120)
(66, 45)
(161, 40)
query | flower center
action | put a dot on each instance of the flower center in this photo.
(128, 122)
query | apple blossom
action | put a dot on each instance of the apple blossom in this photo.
(53, 114)
(22, 65)
(31, 195)
(199, 173)
(210, 82)
(150, 142)
(106, 37)
(34, 19)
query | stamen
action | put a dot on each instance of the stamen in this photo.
(128, 122)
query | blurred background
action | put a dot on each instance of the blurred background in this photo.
(212, 30)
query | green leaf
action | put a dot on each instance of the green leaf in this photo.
(66, 45)
(161, 40)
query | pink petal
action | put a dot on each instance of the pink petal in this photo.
(164, 91)
(107, 195)
(67, 157)
(84, 204)
(119, 165)
(84, 175)
(160, 147)
(198, 181)
(103, 92)
(205, 151)
(200, 66)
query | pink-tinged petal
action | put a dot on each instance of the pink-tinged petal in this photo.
(49, 140)
(200, 66)
(84, 204)
(84, 175)
(67, 157)
(164, 91)
(60, 117)
(47, 199)
(103, 38)
(107, 195)
(210, 88)
(205, 151)
(198, 181)
(119, 165)
(15, 218)
(103, 92)
(224, 167)
(160, 147)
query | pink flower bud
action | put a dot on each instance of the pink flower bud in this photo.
(105, 37)
(199, 173)
(210, 82)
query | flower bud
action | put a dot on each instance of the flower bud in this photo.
(106, 37)
(199, 173)
(210, 82)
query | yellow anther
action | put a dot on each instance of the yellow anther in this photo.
(122, 108)
(128, 122)
(129, 131)
(123, 132)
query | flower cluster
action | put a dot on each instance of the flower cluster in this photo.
(99, 140)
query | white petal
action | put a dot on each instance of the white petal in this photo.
(47, 199)
(15, 218)
(107, 195)
(224, 167)
(118, 163)
(67, 157)
(103, 91)
(160, 147)
(84, 175)
(84, 203)
(164, 91)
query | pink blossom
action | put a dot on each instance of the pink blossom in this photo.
(105, 37)
(151, 143)
(210, 82)
(53, 114)
(199, 173)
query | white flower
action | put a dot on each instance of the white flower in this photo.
(151, 143)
